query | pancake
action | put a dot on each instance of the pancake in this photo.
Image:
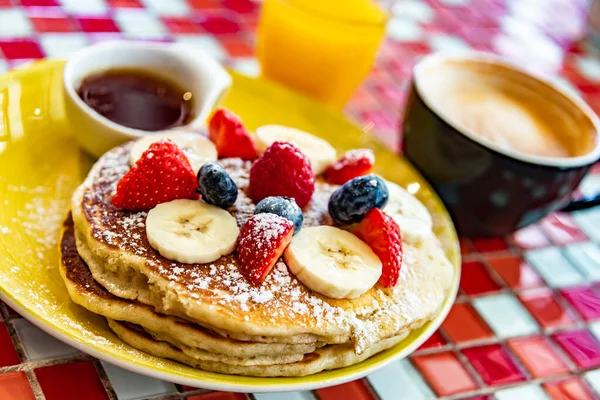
(86, 292)
(329, 357)
(216, 295)
(219, 296)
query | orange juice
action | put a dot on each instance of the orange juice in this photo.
(322, 48)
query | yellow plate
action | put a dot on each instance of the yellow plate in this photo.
(40, 166)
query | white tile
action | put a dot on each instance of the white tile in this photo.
(400, 377)
(38, 344)
(284, 396)
(131, 386)
(168, 7)
(415, 10)
(447, 43)
(595, 329)
(505, 315)
(586, 258)
(589, 66)
(87, 7)
(136, 23)
(589, 222)
(590, 186)
(404, 29)
(246, 66)
(529, 392)
(205, 42)
(14, 23)
(554, 267)
(3, 66)
(62, 45)
(593, 378)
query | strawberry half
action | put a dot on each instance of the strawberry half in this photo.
(382, 234)
(353, 164)
(262, 240)
(229, 135)
(163, 173)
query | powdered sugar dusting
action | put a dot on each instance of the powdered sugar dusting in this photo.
(220, 282)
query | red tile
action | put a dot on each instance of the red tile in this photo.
(486, 245)
(15, 386)
(353, 390)
(545, 308)
(20, 49)
(585, 300)
(463, 324)
(561, 229)
(8, 354)
(236, 47)
(445, 373)
(530, 237)
(219, 24)
(568, 389)
(479, 398)
(74, 381)
(475, 279)
(58, 24)
(514, 271)
(537, 354)
(204, 4)
(218, 396)
(95, 25)
(494, 365)
(435, 341)
(581, 346)
(125, 3)
(241, 6)
(179, 25)
(39, 3)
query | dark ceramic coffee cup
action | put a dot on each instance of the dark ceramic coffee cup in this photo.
(491, 189)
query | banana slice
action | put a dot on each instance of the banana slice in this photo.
(191, 231)
(410, 214)
(320, 153)
(333, 262)
(198, 149)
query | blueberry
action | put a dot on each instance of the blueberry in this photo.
(285, 207)
(216, 186)
(351, 202)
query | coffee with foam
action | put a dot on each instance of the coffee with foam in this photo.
(507, 109)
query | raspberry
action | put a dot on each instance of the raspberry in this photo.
(282, 170)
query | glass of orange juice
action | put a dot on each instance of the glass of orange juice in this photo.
(321, 48)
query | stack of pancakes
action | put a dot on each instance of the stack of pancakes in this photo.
(208, 316)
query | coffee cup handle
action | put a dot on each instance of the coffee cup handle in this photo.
(582, 204)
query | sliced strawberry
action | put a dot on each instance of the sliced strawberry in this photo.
(382, 234)
(262, 240)
(353, 164)
(163, 173)
(230, 136)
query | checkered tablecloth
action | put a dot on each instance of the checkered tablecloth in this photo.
(526, 324)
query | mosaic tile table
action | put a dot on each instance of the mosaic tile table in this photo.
(527, 322)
